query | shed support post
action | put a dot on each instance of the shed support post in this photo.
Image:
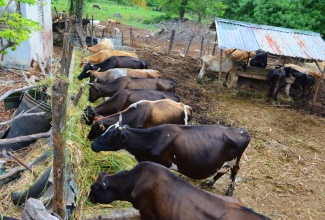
(318, 82)
(219, 76)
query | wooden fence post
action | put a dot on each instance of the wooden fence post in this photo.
(131, 42)
(188, 45)
(92, 30)
(59, 98)
(202, 47)
(318, 83)
(171, 42)
(66, 55)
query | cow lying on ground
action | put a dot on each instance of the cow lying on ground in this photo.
(114, 62)
(259, 60)
(212, 63)
(112, 22)
(111, 74)
(197, 151)
(123, 99)
(105, 54)
(144, 114)
(104, 44)
(107, 89)
(166, 196)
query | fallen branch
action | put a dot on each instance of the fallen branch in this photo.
(15, 90)
(19, 169)
(11, 154)
(31, 137)
(40, 65)
(21, 116)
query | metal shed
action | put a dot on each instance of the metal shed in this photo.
(274, 40)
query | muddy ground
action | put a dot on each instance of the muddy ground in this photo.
(281, 173)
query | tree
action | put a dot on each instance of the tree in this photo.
(15, 28)
(204, 8)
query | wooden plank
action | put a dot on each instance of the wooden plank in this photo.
(252, 75)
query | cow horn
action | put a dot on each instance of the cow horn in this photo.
(102, 127)
(89, 71)
(98, 69)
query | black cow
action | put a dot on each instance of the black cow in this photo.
(276, 78)
(96, 6)
(85, 22)
(123, 99)
(98, 90)
(114, 62)
(197, 151)
(303, 82)
(259, 59)
(160, 194)
(144, 114)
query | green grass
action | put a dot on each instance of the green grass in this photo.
(130, 15)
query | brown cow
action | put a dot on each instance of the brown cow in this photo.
(160, 194)
(123, 99)
(113, 22)
(105, 89)
(239, 55)
(104, 44)
(144, 114)
(104, 54)
(111, 74)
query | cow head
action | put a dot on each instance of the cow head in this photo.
(97, 128)
(112, 139)
(94, 92)
(101, 191)
(85, 73)
(88, 115)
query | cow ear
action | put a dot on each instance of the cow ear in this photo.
(104, 183)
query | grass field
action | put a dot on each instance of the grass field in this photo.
(130, 15)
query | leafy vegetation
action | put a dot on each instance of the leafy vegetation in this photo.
(15, 27)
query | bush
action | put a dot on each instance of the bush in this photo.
(158, 19)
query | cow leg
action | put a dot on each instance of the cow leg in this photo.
(220, 173)
(201, 73)
(233, 174)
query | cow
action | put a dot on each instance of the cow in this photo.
(239, 55)
(111, 74)
(303, 82)
(212, 63)
(196, 151)
(161, 194)
(105, 54)
(123, 99)
(98, 90)
(96, 6)
(89, 43)
(85, 22)
(259, 60)
(104, 44)
(112, 22)
(114, 62)
(276, 79)
(144, 114)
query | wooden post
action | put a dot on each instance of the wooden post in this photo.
(188, 45)
(219, 76)
(214, 45)
(122, 36)
(171, 41)
(92, 30)
(131, 43)
(202, 47)
(66, 55)
(318, 83)
(59, 102)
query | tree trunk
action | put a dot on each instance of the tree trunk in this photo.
(182, 10)
(80, 13)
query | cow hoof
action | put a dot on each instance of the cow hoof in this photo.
(208, 183)
(229, 192)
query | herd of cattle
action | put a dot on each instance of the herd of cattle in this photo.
(143, 114)
(234, 60)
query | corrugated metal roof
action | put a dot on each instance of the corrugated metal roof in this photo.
(275, 40)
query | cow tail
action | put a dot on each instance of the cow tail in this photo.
(185, 112)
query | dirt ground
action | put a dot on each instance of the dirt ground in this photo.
(281, 173)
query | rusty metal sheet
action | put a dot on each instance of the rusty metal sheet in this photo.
(274, 40)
